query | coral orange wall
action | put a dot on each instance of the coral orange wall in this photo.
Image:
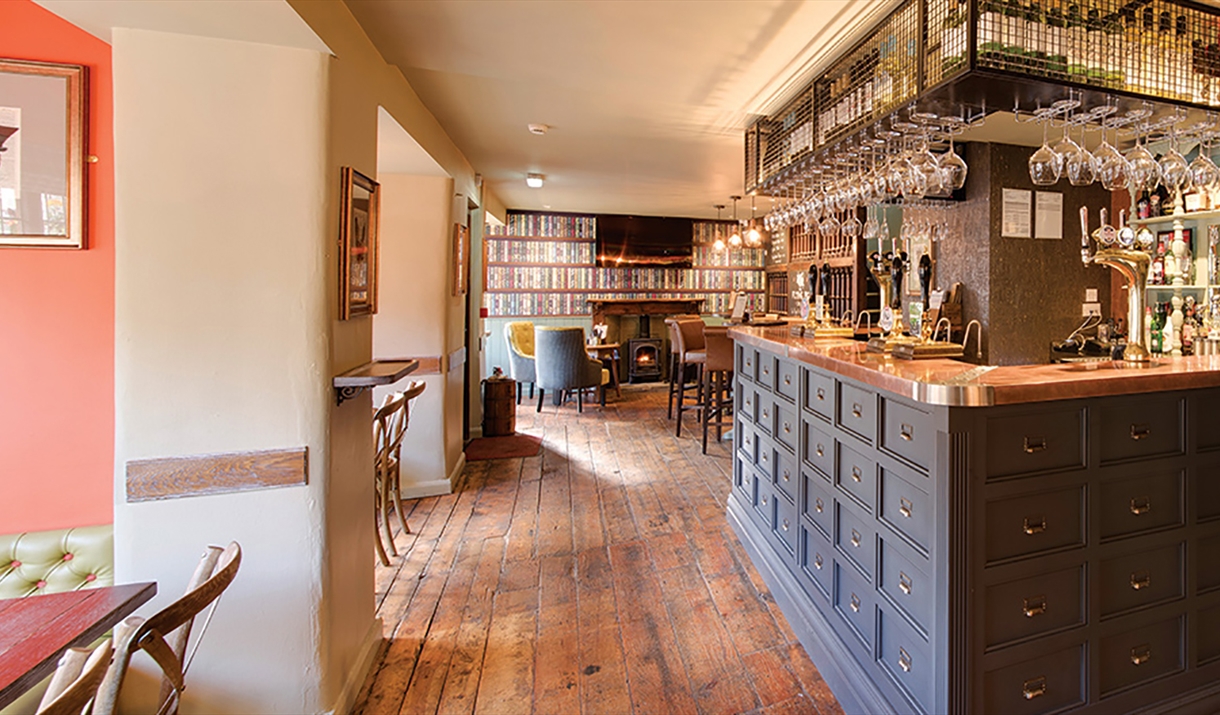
(57, 321)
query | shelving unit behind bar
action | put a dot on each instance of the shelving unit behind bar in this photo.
(942, 55)
(544, 265)
(803, 248)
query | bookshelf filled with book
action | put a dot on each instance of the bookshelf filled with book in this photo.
(545, 265)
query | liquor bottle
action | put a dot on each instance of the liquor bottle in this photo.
(1056, 36)
(1111, 52)
(1165, 56)
(1132, 71)
(1157, 341)
(1014, 33)
(1148, 319)
(1035, 42)
(953, 39)
(1095, 73)
(1075, 45)
(990, 45)
(1188, 84)
(1148, 53)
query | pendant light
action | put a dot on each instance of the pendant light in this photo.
(753, 237)
(735, 239)
(718, 245)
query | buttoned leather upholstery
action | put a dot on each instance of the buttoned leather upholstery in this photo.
(55, 561)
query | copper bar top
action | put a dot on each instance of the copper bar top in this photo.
(954, 383)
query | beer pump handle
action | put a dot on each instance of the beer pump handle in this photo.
(1085, 258)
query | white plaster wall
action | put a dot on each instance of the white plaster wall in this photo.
(415, 279)
(222, 344)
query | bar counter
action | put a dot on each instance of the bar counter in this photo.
(954, 383)
(950, 538)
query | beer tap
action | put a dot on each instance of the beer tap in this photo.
(1109, 248)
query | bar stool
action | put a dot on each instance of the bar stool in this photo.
(689, 334)
(717, 381)
(671, 325)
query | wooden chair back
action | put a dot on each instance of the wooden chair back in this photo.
(76, 680)
(165, 634)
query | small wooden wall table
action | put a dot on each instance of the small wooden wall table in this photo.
(35, 631)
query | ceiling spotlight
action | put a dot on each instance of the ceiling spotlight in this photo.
(538, 129)
(534, 181)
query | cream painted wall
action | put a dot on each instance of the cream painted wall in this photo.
(222, 322)
(410, 321)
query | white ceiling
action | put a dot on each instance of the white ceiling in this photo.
(647, 101)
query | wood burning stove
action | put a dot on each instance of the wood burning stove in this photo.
(644, 359)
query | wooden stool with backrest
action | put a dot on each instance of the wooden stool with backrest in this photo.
(717, 381)
(165, 634)
(690, 350)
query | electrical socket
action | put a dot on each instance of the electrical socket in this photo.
(1087, 309)
(1090, 295)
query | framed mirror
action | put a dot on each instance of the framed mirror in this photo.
(42, 154)
(358, 220)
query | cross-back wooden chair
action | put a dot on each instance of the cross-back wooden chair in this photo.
(389, 427)
(76, 680)
(165, 634)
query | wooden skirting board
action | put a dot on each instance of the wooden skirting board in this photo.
(176, 477)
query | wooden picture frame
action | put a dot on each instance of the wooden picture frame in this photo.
(461, 257)
(359, 213)
(42, 154)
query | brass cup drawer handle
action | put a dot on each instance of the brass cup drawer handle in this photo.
(1141, 654)
(907, 432)
(821, 394)
(1034, 687)
(817, 561)
(856, 474)
(904, 660)
(787, 476)
(857, 410)
(1034, 606)
(787, 428)
(854, 603)
(820, 451)
(1034, 525)
(764, 500)
(856, 539)
(905, 507)
(1139, 432)
(1140, 580)
(787, 379)
(818, 506)
(904, 583)
(1033, 446)
(1141, 505)
(784, 526)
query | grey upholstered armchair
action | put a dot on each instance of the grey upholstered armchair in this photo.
(520, 338)
(561, 364)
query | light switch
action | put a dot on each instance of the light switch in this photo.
(1090, 295)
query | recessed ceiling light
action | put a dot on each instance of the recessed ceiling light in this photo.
(534, 181)
(539, 129)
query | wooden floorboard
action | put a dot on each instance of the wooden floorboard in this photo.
(600, 576)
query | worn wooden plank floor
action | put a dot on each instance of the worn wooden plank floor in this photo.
(598, 577)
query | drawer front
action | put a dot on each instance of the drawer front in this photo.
(1046, 684)
(745, 362)
(783, 524)
(1141, 655)
(857, 411)
(1205, 490)
(764, 502)
(816, 562)
(906, 508)
(766, 458)
(856, 475)
(854, 600)
(1034, 523)
(1207, 565)
(743, 472)
(1034, 605)
(1132, 506)
(747, 403)
(787, 380)
(907, 657)
(1205, 630)
(818, 393)
(817, 505)
(1206, 428)
(785, 474)
(747, 441)
(855, 539)
(1023, 444)
(907, 583)
(765, 375)
(1140, 428)
(818, 448)
(765, 412)
(786, 426)
(908, 433)
(1141, 579)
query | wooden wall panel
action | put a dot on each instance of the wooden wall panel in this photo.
(175, 477)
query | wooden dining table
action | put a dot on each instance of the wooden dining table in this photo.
(36, 630)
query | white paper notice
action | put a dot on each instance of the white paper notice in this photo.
(1048, 214)
(1018, 210)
